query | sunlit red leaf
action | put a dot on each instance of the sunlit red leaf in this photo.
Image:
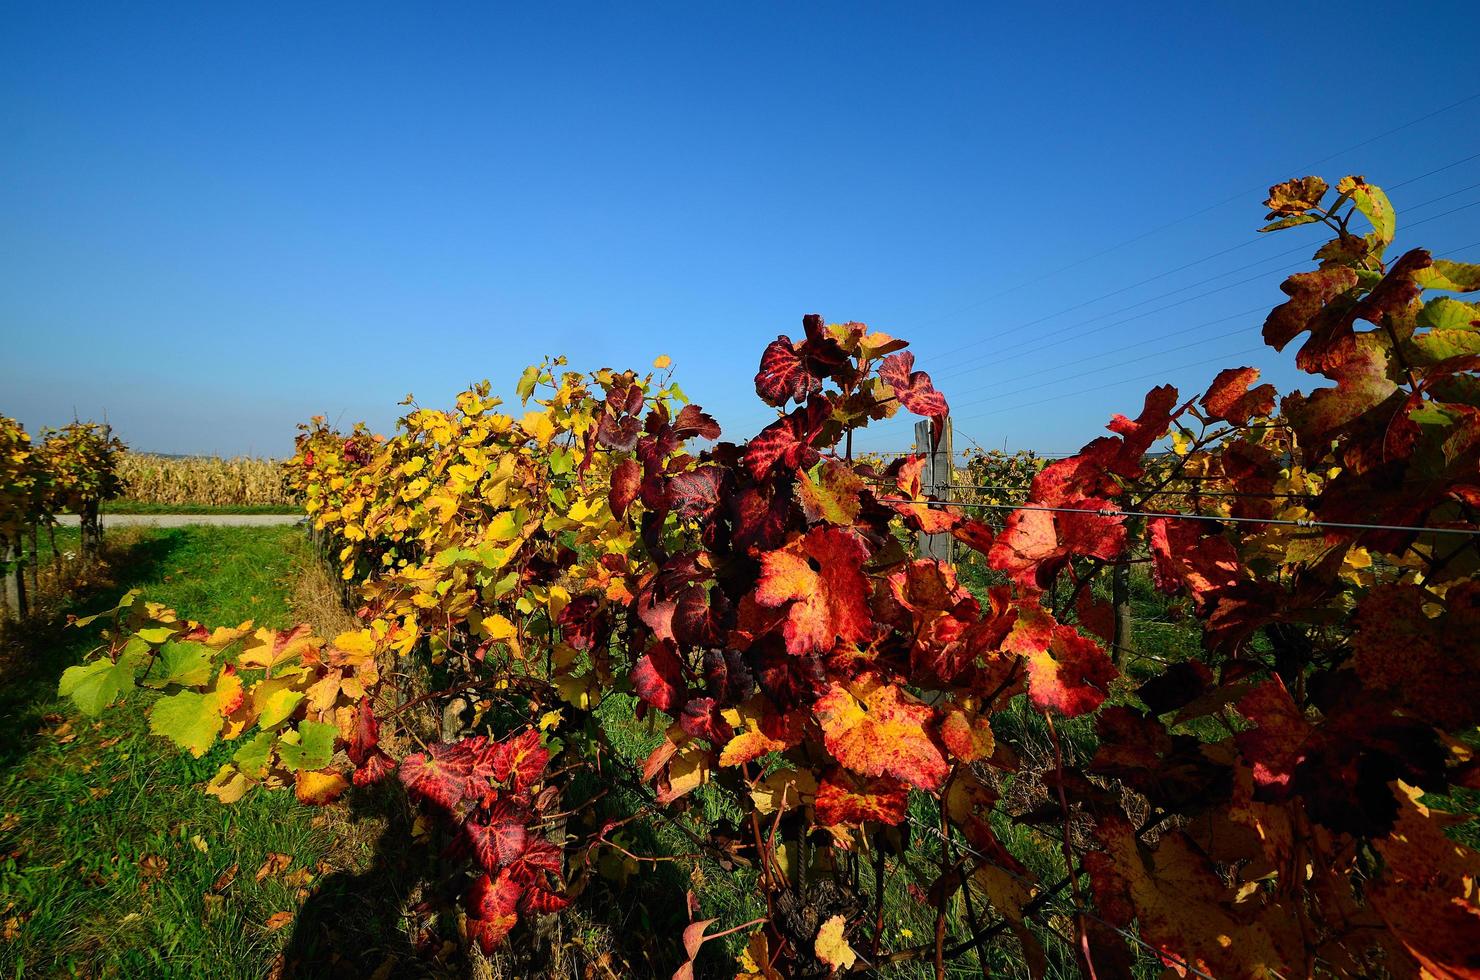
(843, 798)
(498, 839)
(1072, 675)
(788, 440)
(658, 678)
(439, 776)
(914, 389)
(1230, 399)
(626, 481)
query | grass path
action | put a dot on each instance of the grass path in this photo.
(108, 849)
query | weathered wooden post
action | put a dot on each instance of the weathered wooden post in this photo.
(9, 597)
(936, 478)
(1120, 600)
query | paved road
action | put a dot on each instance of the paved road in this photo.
(181, 520)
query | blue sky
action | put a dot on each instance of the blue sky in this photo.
(217, 220)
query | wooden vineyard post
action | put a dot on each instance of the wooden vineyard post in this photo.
(935, 479)
(15, 576)
(33, 566)
(1120, 599)
(9, 578)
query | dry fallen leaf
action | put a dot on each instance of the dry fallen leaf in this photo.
(224, 879)
(274, 865)
(299, 878)
(277, 920)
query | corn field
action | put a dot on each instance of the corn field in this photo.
(202, 480)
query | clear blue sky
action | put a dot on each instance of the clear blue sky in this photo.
(216, 220)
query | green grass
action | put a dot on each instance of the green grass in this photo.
(142, 507)
(109, 847)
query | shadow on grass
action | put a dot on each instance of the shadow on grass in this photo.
(352, 925)
(34, 653)
(362, 923)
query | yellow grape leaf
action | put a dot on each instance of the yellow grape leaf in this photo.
(662, 362)
(539, 427)
(229, 784)
(797, 786)
(832, 948)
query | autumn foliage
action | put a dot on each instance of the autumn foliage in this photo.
(1255, 807)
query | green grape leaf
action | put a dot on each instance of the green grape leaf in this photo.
(1444, 313)
(1374, 205)
(92, 687)
(185, 664)
(527, 381)
(1290, 221)
(1457, 277)
(124, 603)
(156, 634)
(278, 707)
(189, 719)
(311, 749)
(255, 753)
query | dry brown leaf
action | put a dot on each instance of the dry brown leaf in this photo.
(224, 879)
(277, 920)
(275, 864)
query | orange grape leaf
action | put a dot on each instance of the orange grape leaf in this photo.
(881, 733)
(277, 920)
(821, 577)
(843, 798)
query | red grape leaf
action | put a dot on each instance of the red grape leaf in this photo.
(1185, 555)
(626, 481)
(788, 440)
(658, 678)
(1072, 675)
(694, 421)
(492, 909)
(1230, 399)
(1036, 544)
(498, 840)
(694, 494)
(440, 776)
(915, 390)
(1430, 663)
(1309, 293)
(792, 372)
(520, 761)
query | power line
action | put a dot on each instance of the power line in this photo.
(961, 369)
(1201, 211)
(1082, 374)
(1112, 384)
(1108, 367)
